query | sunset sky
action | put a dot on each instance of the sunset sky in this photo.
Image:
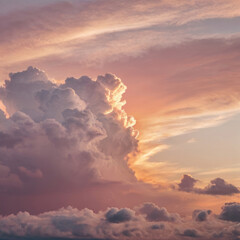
(128, 109)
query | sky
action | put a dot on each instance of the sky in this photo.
(119, 119)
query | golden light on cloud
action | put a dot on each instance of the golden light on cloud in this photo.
(3, 108)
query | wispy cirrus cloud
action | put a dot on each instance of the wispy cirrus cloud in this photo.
(59, 28)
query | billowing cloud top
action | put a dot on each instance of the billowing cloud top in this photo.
(61, 137)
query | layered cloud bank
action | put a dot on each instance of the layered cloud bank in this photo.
(147, 221)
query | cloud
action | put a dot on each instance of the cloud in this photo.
(187, 183)
(217, 186)
(201, 215)
(64, 137)
(19, 93)
(53, 102)
(230, 212)
(190, 233)
(117, 216)
(155, 214)
(114, 223)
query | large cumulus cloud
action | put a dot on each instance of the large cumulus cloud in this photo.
(63, 137)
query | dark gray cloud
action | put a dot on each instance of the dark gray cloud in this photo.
(190, 233)
(201, 215)
(117, 216)
(217, 186)
(230, 212)
(155, 214)
(187, 183)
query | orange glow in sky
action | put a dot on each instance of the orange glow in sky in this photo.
(126, 104)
